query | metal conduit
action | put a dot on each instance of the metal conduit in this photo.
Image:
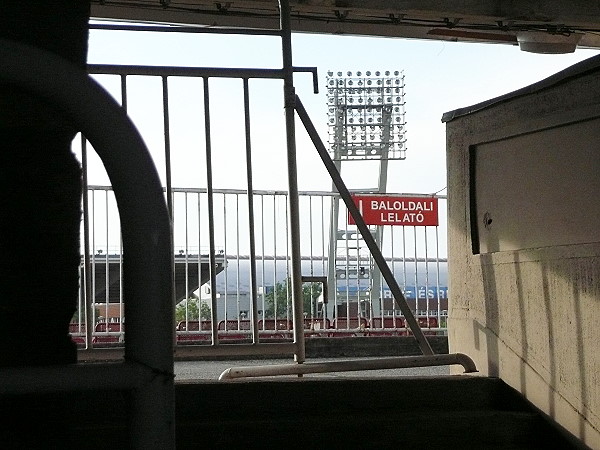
(148, 366)
(349, 366)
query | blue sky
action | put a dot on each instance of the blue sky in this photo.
(440, 76)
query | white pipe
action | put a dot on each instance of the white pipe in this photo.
(347, 366)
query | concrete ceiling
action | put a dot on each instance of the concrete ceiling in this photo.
(552, 26)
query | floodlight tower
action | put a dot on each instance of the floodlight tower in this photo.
(366, 119)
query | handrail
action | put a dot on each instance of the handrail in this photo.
(349, 365)
(146, 243)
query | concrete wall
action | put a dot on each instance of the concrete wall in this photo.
(524, 247)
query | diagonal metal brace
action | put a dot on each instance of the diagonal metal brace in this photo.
(364, 230)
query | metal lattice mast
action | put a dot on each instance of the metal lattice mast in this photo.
(366, 119)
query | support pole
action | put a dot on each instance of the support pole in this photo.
(293, 199)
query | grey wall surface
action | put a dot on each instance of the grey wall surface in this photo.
(525, 289)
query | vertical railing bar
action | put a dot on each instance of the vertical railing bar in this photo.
(393, 244)
(198, 203)
(437, 272)
(124, 91)
(226, 295)
(187, 261)
(262, 243)
(275, 302)
(347, 279)
(251, 232)
(312, 271)
(426, 277)
(381, 263)
(288, 286)
(168, 175)
(332, 250)
(237, 259)
(294, 230)
(167, 144)
(121, 304)
(211, 219)
(324, 314)
(404, 273)
(87, 266)
(124, 105)
(106, 255)
(93, 297)
(416, 280)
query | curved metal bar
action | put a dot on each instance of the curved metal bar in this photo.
(145, 225)
(348, 366)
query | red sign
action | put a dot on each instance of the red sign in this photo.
(388, 210)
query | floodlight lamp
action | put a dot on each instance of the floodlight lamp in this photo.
(349, 73)
(377, 73)
(396, 73)
(330, 73)
(369, 82)
(387, 73)
(339, 74)
(368, 73)
(358, 74)
(331, 82)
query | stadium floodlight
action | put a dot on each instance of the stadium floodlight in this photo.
(366, 115)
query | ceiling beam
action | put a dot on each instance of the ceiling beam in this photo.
(477, 20)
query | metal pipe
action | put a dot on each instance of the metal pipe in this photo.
(349, 366)
(186, 29)
(250, 197)
(364, 230)
(211, 217)
(87, 266)
(200, 72)
(293, 203)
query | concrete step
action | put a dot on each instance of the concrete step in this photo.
(466, 412)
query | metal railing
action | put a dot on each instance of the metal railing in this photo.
(416, 256)
(250, 328)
